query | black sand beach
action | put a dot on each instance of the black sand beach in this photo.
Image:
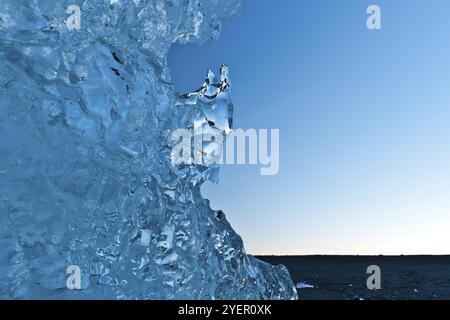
(345, 277)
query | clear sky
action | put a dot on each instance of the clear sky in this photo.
(364, 119)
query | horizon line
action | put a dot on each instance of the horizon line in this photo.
(351, 255)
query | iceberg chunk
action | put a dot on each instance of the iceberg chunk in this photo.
(86, 177)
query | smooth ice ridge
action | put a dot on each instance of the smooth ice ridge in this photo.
(86, 177)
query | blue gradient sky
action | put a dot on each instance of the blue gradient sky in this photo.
(364, 119)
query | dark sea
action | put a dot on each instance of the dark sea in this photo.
(346, 277)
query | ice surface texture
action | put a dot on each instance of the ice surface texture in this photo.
(85, 171)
